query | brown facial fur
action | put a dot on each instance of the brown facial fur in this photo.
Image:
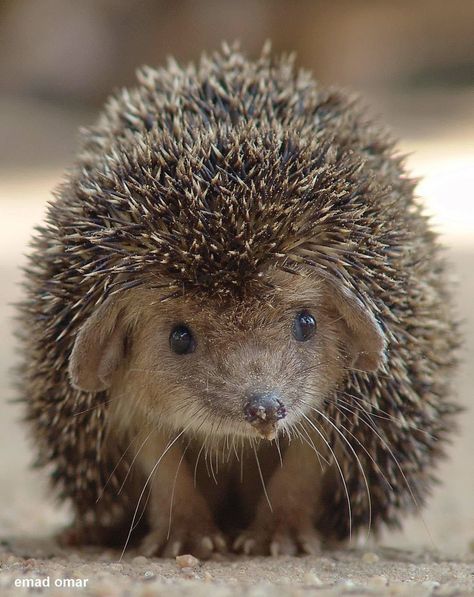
(243, 346)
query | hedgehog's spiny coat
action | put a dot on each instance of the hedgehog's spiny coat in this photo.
(198, 179)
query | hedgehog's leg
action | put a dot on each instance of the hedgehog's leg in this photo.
(179, 517)
(287, 528)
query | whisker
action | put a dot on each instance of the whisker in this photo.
(379, 470)
(359, 463)
(404, 477)
(277, 444)
(166, 450)
(142, 513)
(365, 373)
(199, 410)
(261, 476)
(349, 507)
(136, 456)
(174, 487)
(310, 443)
(236, 454)
(388, 417)
(196, 464)
(102, 491)
(96, 406)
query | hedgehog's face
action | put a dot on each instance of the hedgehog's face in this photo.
(247, 367)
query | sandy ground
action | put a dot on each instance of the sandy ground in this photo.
(434, 554)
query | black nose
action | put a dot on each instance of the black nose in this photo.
(264, 409)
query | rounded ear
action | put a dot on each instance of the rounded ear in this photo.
(368, 342)
(98, 349)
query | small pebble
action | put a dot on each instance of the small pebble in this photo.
(370, 558)
(449, 590)
(327, 563)
(116, 566)
(83, 570)
(310, 578)
(348, 583)
(207, 576)
(187, 561)
(140, 560)
(430, 584)
(398, 588)
(188, 572)
(106, 556)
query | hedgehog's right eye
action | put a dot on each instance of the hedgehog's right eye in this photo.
(182, 340)
(304, 326)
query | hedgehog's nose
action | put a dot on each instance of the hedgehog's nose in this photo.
(263, 410)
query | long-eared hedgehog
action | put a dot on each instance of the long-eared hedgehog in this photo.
(237, 330)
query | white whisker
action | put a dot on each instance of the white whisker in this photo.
(349, 507)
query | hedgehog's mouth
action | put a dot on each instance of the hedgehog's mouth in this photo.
(268, 432)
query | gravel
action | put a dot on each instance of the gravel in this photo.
(43, 564)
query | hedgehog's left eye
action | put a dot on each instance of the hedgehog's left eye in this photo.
(304, 326)
(182, 340)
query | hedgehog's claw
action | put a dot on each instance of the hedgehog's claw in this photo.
(200, 544)
(278, 542)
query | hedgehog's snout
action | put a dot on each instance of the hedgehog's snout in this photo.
(263, 410)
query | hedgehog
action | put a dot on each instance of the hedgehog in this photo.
(237, 330)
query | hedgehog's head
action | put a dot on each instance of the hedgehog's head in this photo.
(248, 365)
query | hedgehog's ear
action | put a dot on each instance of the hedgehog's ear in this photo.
(98, 349)
(367, 339)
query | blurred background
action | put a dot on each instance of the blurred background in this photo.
(413, 61)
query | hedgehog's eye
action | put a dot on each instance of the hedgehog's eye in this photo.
(304, 326)
(182, 340)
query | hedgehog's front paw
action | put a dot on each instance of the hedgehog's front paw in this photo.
(200, 540)
(282, 538)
